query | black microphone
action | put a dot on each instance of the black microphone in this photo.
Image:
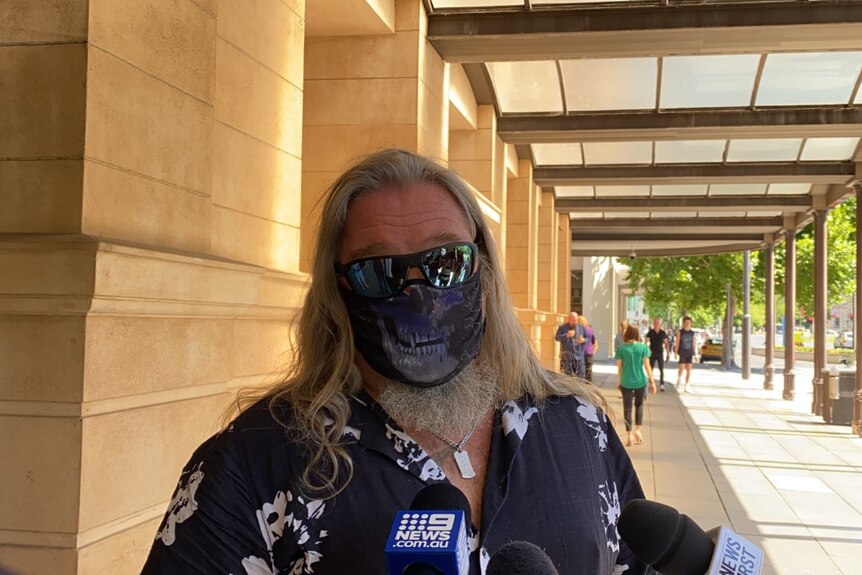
(673, 544)
(431, 538)
(442, 496)
(520, 558)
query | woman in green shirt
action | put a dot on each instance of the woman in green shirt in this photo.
(633, 371)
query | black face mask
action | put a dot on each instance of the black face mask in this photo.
(423, 337)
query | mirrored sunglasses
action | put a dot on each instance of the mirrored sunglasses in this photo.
(380, 277)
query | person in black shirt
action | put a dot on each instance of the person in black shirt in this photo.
(656, 337)
(410, 367)
(685, 348)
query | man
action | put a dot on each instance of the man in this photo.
(410, 368)
(591, 347)
(571, 336)
(656, 337)
(685, 350)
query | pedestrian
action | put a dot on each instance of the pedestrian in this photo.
(591, 347)
(633, 373)
(685, 350)
(656, 337)
(409, 367)
(571, 337)
(619, 339)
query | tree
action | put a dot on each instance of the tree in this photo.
(695, 285)
(841, 260)
(692, 285)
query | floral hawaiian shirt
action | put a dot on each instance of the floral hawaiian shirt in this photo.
(557, 476)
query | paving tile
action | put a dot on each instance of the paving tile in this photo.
(730, 453)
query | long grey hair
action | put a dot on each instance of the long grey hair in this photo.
(323, 375)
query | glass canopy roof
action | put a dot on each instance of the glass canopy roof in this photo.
(677, 82)
(671, 190)
(446, 4)
(695, 151)
(604, 103)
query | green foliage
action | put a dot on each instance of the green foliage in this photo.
(692, 285)
(695, 285)
(841, 271)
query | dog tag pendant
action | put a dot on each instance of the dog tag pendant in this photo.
(464, 465)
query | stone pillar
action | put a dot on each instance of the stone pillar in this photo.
(547, 253)
(789, 313)
(821, 311)
(564, 275)
(472, 154)
(547, 273)
(478, 155)
(521, 212)
(564, 258)
(522, 237)
(768, 366)
(152, 258)
(367, 93)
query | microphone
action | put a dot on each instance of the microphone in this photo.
(520, 558)
(431, 538)
(673, 544)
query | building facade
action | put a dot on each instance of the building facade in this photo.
(160, 167)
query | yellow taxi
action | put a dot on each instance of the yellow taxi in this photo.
(712, 350)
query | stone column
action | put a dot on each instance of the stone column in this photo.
(768, 366)
(152, 258)
(472, 153)
(45, 285)
(547, 253)
(521, 211)
(478, 155)
(564, 259)
(522, 236)
(367, 93)
(564, 275)
(820, 312)
(547, 274)
(789, 313)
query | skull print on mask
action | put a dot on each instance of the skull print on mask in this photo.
(423, 336)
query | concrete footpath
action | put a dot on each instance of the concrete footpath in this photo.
(730, 453)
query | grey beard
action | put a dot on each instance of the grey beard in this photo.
(451, 410)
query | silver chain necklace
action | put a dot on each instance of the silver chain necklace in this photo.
(462, 459)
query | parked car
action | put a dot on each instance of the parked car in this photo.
(712, 350)
(832, 333)
(844, 341)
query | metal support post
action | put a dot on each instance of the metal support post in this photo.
(820, 311)
(789, 314)
(746, 315)
(857, 320)
(727, 342)
(768, 365)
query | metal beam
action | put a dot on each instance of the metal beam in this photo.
(634, 236)
(685, 204)
(837, 194)
(724, 123)
(627, 30)
(741, 173)
(480, 81)
(664, 223)
(646, 251)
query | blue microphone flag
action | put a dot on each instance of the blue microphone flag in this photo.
(433, 537)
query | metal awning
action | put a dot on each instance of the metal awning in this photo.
(673, 126)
